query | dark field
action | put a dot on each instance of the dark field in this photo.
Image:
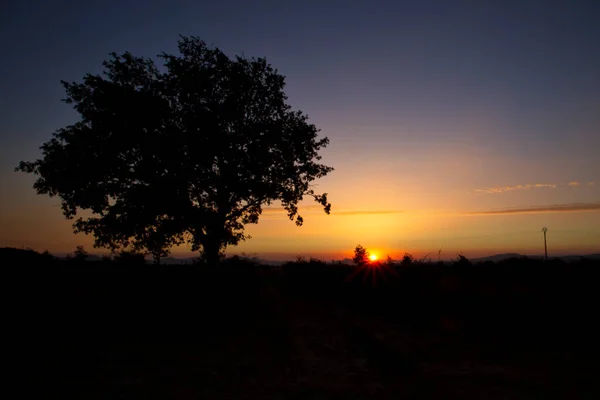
(521, 329)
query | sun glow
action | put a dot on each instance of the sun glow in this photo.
(373, 257)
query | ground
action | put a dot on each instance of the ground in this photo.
(255, 337)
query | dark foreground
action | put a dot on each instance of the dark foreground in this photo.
(308, 332)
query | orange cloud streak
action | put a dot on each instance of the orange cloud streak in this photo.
(518, 187)
(572, 207)
(281, 210)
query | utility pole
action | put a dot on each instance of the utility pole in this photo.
(544, 229)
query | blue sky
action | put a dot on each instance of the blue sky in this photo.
(425, 102)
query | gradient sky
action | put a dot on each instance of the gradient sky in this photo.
(462, 125)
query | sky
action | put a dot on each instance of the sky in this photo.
(460, 126)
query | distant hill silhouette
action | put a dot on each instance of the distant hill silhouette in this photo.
(506, 256)
(348, 261)
(8, 253)
(500, 257)
(89, 257)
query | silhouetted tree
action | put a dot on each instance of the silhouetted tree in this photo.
(80, 254)
(48, 256)
(407, 260)
(361, 255)
(158, 239)
(192, 153)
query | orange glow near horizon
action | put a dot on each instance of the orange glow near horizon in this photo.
(373, 257)
(418, 225)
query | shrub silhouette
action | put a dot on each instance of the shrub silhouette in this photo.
(462, 261)
(12, 257)
(407, 260)
(130, 258)
(80, 254)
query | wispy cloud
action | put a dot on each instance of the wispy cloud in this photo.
(573, 184)
(502, 189)
(281, 210)
(555, 208)
(366, 212)
(274, 211)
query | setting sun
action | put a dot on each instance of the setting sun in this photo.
(373, 257)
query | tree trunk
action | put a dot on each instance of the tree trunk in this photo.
(214, 240)
(211, 251)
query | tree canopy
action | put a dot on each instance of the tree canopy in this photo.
(190, 152)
